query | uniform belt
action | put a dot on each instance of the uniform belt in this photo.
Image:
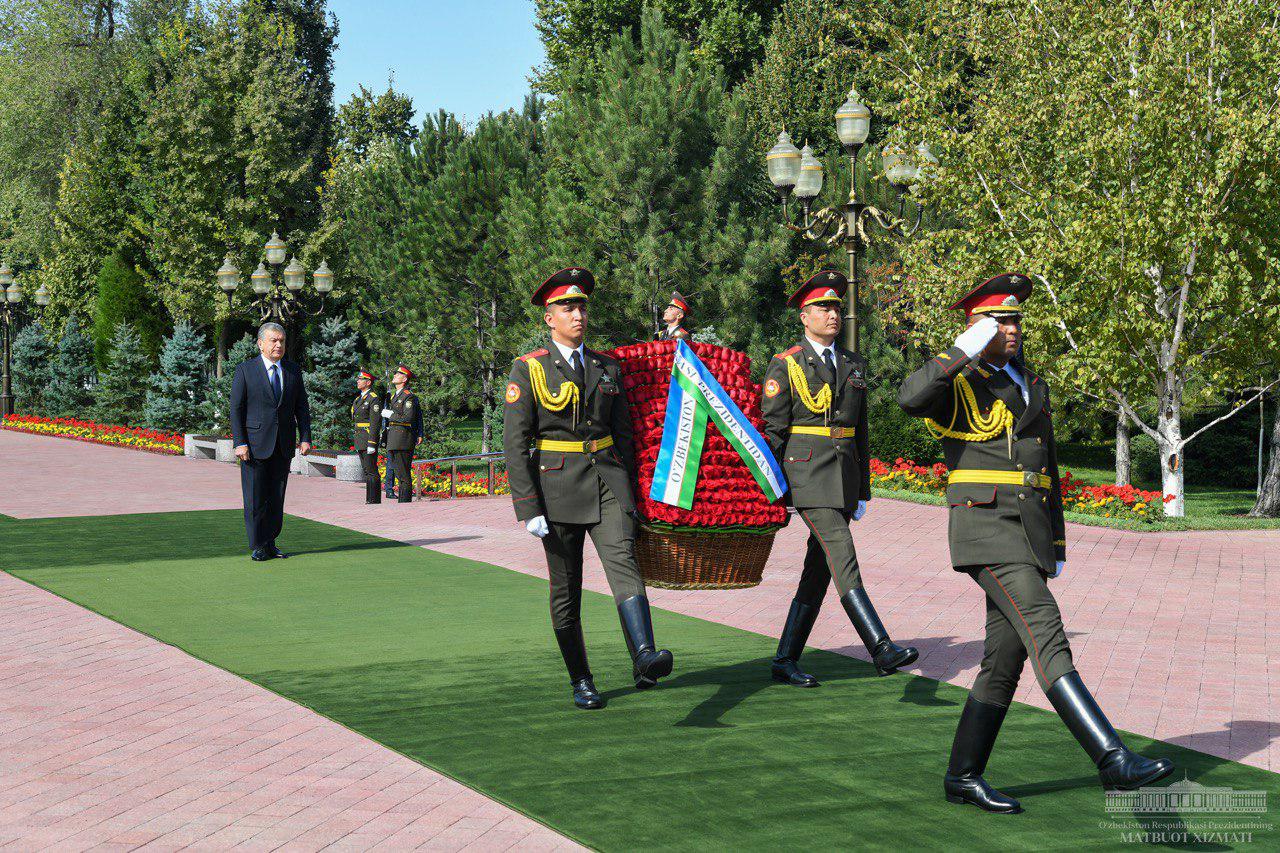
(833, 432)
(401, 423)
(575, 446)
(365, 425)
(1001, 478)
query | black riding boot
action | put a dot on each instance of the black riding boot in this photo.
(574, 652)
(650, 663)
(975, 736)
(795, 634)
(372, 489)
(1117, 766)
(885, 653)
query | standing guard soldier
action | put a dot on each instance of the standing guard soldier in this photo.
(366, 418)
(569, 456)
(674, 315)
(404, 430)
(815, 412)
(1007, 533)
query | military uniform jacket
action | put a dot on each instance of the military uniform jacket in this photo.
(366, 418)
(404, 427)
(566, 486)
(822, 471)
(680, 333)
(1002, 523)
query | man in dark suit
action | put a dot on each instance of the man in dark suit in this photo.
(269, 415)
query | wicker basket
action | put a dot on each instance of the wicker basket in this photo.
(703, 559)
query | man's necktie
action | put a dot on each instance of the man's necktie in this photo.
(829, 360)
(275, 382)
(575, 364)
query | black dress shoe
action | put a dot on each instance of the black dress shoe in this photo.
(887, 655)
(1118, 767)
(585, 695)
(975, 736)
(786, 666)
(276, 553)
(649, 663)
(259, 555)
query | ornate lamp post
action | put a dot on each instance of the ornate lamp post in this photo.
(798, 172)
(278, 299)
(10, 301)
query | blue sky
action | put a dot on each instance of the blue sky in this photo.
(467, 56)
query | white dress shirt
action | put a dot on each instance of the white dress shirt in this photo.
(822, 350)
(1018, 379)
(568, 351)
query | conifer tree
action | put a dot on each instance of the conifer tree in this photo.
(175, 400)
(70, 390)
(122, 392)
(217, 401)
(331, 383)
(31, 363)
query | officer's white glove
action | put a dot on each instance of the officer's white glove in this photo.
(386, 413)
(538, 526)
(974, 339)
(1058, 567)
(860, 511)
(373, 447)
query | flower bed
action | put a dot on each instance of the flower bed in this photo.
(134, 438)
(1104, 501)
(433, 481)
(727, 496)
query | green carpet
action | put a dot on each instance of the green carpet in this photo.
(452, 662)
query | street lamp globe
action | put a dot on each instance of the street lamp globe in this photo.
(42, 295)
(228, 276)
(898, 165)
(783, 163)
(6, 275)
(322, 278)
(809, 183)
(295, 277)
(260, 279)
(853, 121)
(276, 250)
(14, 293)
(926, 159)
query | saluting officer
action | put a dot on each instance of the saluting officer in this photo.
(404, 430)
(815, 412)
(366, 419)
(567, 439)
(675, 315)
(993, 416)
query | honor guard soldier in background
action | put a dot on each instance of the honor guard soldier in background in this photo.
(404, 430)
(815, 412)
(366, 418)
(674, 315)
(567, 440)
(993, 416)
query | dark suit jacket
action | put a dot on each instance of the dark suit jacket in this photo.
(258, 420)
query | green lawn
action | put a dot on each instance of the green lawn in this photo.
(451, 662)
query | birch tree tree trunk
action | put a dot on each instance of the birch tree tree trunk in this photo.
(1268, 503)
(1124, 458)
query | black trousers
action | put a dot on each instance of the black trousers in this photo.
(830, 555)
(399, 461)
(372, 483)
(262, 483)
(614, 536)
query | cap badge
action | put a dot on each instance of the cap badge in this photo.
(574, 290)
(831, 276)
(830, 294)
(574, 273)
(1011, 301)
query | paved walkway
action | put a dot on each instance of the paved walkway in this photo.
(1170, 629)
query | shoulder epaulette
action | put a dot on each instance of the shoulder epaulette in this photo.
(538, 353)
(795, 349)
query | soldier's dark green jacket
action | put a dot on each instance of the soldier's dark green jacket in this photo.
(822, 471)
(404, 427)
(1004, 523)
(565, 486)
(366, 419)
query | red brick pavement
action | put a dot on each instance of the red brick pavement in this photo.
(1172, 630)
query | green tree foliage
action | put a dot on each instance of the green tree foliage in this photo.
(367, 119)
(576, 33)
(217, 400)
(331, 383)
(176, 398)
(1129, 169)
(69, 393)
(32, 363)
(123, 297)
(121, 393)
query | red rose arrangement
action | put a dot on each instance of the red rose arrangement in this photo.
(727, 496)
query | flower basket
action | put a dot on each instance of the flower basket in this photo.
(723, 540)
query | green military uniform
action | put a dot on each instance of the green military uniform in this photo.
(366, 420)
(1006, 532)
(404, 428)
(567, 440)
(815, 412)
(679, 332)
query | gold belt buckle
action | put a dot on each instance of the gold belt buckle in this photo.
(841, 432)
(590, 446)
(1030, 478)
